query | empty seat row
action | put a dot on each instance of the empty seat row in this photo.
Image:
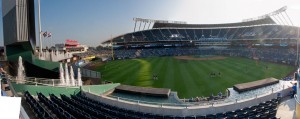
(73, 110)
(267, 109)
(88, 110)
(57, 110)
(39, 111)
(82, 107)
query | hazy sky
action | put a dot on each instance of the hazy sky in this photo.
(93, 21)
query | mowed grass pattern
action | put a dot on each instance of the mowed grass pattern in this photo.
(190, 78)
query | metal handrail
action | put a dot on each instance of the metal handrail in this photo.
(149, 102)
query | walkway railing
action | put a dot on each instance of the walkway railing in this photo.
(150, 103)
(281, 91)
(179, 109)
(42, 81)
(211, 103)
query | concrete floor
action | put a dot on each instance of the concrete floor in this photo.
(286, 109)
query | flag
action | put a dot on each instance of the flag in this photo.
(45, 34)
(49, 34)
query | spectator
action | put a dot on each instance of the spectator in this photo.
(220, 94)
(293, 90)
(2, 71)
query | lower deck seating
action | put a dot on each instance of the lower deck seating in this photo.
(81, 107)
(39, 111)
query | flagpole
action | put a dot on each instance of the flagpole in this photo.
(40, 28)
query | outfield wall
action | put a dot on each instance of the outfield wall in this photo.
(90, 73)
(185, 110)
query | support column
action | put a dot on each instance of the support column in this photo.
(145, 25)
(134, 26)
(289, 18)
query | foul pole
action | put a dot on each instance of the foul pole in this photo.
(297, 55)
(112, 48)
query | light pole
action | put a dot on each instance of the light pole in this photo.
(40, 28)
(297, 55)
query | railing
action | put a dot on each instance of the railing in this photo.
(150, 103)
(44, 82)
(282, 91)
(179, 109)
(201, 103)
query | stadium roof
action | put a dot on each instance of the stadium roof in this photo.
(267, 20)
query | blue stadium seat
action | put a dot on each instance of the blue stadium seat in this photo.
(77, 106)
(210, 116)
(190, 117)
(231, 114)
(176, 117)
(200, 117)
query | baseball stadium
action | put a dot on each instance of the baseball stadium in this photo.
(162, 70)
(201, 60)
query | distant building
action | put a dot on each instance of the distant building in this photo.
(71, 46)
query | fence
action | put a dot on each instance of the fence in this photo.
(90, 73)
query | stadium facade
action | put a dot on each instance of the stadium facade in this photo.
(20, 39)
(19, 27)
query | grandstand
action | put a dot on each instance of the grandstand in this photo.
(172, 36)
(249, 33)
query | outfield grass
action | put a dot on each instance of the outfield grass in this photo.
(190, 78)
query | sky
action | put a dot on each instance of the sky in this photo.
(91, 22)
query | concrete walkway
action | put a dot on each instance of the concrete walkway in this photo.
(286, 109)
